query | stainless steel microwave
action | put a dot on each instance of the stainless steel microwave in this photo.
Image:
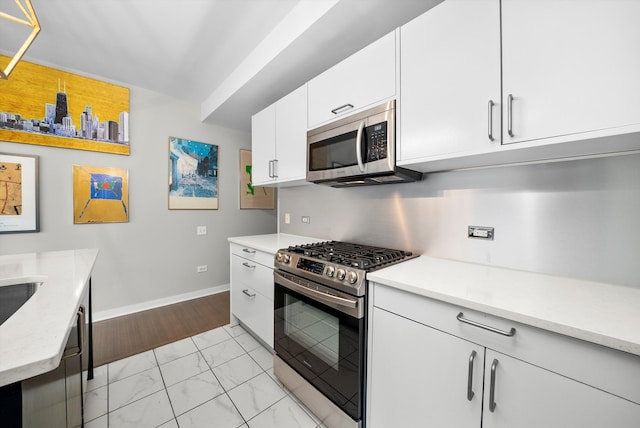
(359, 149)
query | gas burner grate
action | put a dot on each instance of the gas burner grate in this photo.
(363, 257)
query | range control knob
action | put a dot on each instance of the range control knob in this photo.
(340, 274)
(279, 257)
(331, 271)
(286, 258)
(352, 277)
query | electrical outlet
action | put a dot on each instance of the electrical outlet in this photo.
(201, 230)
(306, 219)
(480, 232)
(287, 218)
(201, 268)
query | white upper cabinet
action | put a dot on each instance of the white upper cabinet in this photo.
(450, 80)
(569, 74)
(360, 81)
(279, 141)
(291, 136)
(263, 145)
(570, 67)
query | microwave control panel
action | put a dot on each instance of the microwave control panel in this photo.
(376, 141)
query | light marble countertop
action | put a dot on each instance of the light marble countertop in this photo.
(600, 313)
(271, 243)
(33, 339)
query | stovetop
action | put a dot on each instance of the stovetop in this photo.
(337, 264)
(365, 257)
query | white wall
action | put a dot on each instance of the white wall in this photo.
(153, 256)
(574, 218)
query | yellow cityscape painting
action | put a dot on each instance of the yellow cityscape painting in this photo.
(49, 107)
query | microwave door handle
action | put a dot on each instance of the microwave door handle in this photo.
(359, 146)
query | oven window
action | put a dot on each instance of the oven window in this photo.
(324, 345)
(314, 329)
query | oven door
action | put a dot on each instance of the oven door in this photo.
(322, 337)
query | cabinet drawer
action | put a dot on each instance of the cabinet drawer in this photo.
(247, 273)
(249, 253)
(362, 80)
(604, 368)
(254, 310)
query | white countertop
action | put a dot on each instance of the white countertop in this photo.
(271, 243)
(605, 314)
(33, 339)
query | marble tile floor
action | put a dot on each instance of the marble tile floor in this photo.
(222, 378)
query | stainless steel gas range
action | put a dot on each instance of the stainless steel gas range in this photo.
(321, 325)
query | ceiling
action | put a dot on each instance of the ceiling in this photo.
(233, 57)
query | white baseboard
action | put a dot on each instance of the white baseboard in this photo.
(138, 307)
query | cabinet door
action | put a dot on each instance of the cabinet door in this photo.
(450, 80)
(263, 145)
(527, 396)
(362, 80)
(291, 136)
(420, 376)
(571, 66)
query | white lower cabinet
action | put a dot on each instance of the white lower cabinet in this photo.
(527, 396)
(428, 369)
(252, 290)
(419, 376)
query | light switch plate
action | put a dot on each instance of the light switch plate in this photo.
(201, 230)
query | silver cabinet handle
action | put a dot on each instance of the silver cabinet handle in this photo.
(275, 168)
(359, 146)
(470, 393)
(245, 264)
(491, 104)
(339, 110)
(249, 294)
(510, 115)
(80, 325)
(271, 169)
(509, 333)
(247, 250)
(492, 388)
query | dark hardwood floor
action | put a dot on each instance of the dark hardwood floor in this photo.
(121, 337)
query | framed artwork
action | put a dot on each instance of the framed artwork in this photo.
(100, 195)
(193, 175)
(49, 107)
(18, 193)
(251, 196)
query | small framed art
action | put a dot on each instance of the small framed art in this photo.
(18, 193)
(257, 197)
(100, 195)
(193, 175)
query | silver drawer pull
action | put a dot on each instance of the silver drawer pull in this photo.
(246, 250)
(509, 333)
(245, 264)
(249, 294)
(338, 110)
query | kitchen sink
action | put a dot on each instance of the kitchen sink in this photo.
(13, 296)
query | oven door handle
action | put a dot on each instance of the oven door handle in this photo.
(333, 301)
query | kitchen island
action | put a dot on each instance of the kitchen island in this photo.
(33, 339)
